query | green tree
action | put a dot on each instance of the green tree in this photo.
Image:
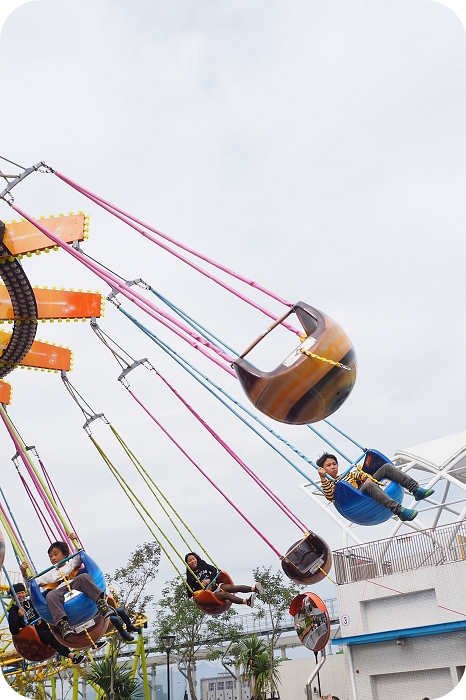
(131, 580)
(273, 606)
(177, 614)
(252, 655)
(117, 682)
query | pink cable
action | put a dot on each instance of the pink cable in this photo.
(231, 452)
(36, 482)
(204, 474)
(232, 290)
(134, 296)
(108, 206)
(57, 498)
(41, 517)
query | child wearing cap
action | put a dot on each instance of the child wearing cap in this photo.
(23, 611)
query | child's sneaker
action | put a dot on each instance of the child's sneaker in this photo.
(104, 609)
(421, 493)
(63, 628)
(259, 589)
(250, 600)
(407, 514)
(77, 659)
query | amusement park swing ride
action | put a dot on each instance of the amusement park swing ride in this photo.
(308, 386)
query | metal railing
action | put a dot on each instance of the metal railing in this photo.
(14, 576)
(262, 625)
(431, 547)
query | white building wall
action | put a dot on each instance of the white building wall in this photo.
(421, 667)
(430, 665)
(224, 687)
(428, 596)
(295, 673)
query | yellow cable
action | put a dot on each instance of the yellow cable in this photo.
(151, 483)
(134, 499)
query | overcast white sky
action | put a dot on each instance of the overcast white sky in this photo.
(316, 147)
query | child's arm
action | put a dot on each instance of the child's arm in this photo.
(15, 620)
(56, 575)
(24, 566)
(328, 486)
(51, 576)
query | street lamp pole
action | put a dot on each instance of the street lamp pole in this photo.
(167, 641)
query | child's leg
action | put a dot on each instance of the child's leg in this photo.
(85, 584)
(46, 636)
(389, 471)
(223, 595)
(54, 600)
(231, 588)
(117, 623)
(121, 612)
(379, 495)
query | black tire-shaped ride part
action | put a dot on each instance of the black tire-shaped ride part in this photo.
(24, 308)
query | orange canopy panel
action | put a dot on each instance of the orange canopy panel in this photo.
(56, 303)
(5, 392)
(23, 237)
(41, 355)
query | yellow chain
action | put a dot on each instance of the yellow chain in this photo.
(67, 583)
(324, 359)
(359, 468)
(326, 574)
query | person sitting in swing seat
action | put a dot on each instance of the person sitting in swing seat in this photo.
(328, 465)
(18, 616)
(123, 624)
(60, 575)
(199, 574)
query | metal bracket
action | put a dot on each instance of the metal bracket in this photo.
(145, 362)
(38, 167)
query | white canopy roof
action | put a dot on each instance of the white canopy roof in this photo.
(447, 454)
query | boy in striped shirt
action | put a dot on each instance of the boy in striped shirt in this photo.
(328, 466)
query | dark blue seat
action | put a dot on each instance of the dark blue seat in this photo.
(80, 608)
(357, 506)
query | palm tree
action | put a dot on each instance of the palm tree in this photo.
(258, 667)
(117, 682)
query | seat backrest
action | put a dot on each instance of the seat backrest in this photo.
(374, 459)
(308, 560)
